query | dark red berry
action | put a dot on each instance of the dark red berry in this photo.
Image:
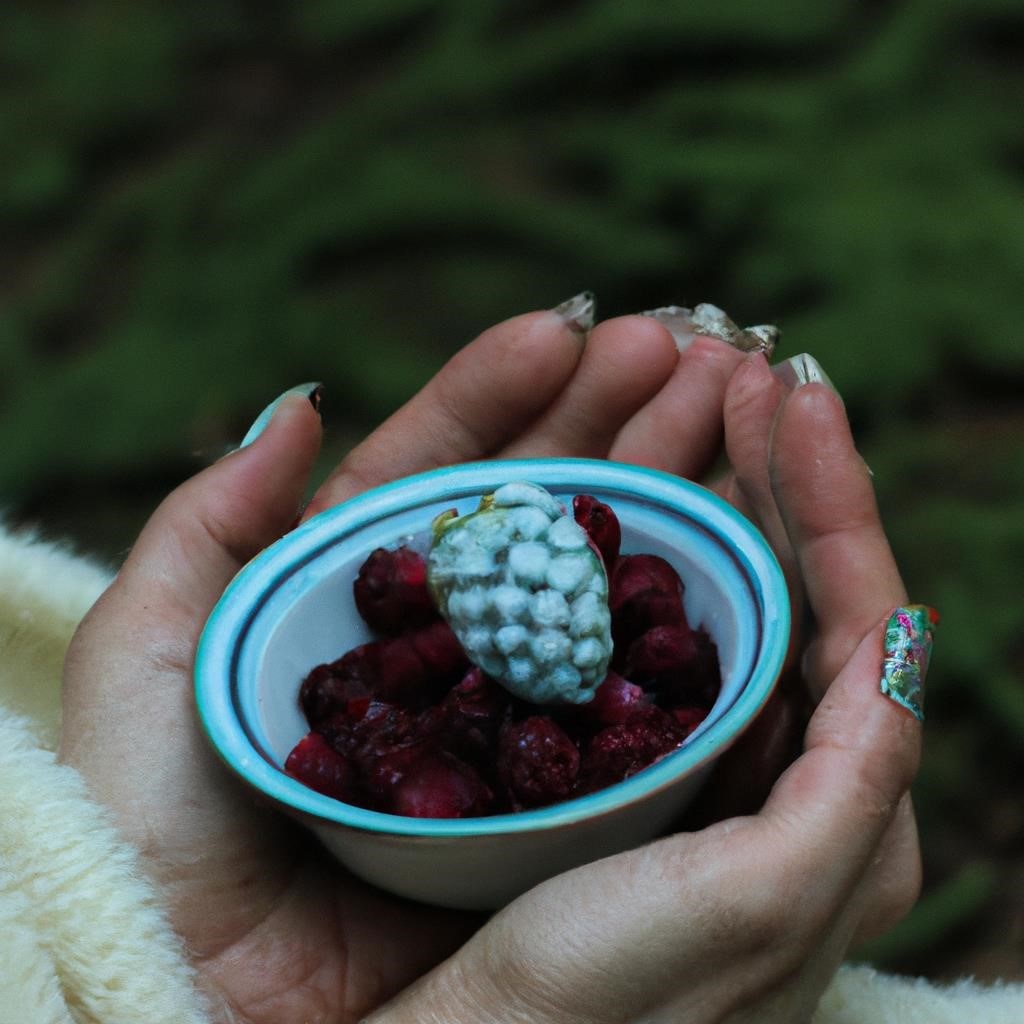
(644, 591)
(689, 718)
(440, 786)
(701, 680)
(613, 702)
(537, 761)
(620, 751)
(328, 690)
(391, 591)
(469, 717)
(412, 667)
(601, 524)
(316, 764)
(661, 654)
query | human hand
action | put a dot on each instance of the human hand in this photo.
(747, 919)
(277, 932)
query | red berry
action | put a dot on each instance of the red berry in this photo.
(613, 702)
(661, 654)
(391, 591)
(644, 591)
(469, 717)
(622, 750)
(701, 680)
(601, 524)
(411, 667)
(316, 764)
(689, 718)
(328, 691)
(537, 761)
(440, 786)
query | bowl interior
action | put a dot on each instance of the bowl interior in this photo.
(292, 608)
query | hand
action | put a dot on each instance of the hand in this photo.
(747, 919)
(279, 933)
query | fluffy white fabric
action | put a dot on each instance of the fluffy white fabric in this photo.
(83, 937)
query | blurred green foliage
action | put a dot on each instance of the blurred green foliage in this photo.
(204, 202)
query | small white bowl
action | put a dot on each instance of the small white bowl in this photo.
(292, 608)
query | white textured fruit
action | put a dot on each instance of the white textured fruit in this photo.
(525, 593)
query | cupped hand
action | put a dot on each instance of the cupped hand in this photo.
(280, 933)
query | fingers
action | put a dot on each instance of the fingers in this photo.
(626, 363)
(480, 400)
(835, 804)
(207, 529)
(129, 719)
(680, 429)
(825, 496)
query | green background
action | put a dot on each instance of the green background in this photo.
(203, 203)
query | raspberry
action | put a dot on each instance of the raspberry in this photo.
(622, 750)
(537, 761)
(601, 524)
(391, 591)
(440, 786)
(314, 763)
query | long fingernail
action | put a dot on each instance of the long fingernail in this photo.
(311, 391)
(685, 324)
(802, 369)
(908, 648)
(578, 312)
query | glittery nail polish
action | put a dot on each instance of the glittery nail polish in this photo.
(908, 647)
(578, 312)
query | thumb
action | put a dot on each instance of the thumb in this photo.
(208, 528)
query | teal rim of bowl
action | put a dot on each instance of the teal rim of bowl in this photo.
(229, 622)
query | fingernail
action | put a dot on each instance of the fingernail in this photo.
(311, 391)
(685, 324)
(578, 312)
(908, 648)
(802, 369)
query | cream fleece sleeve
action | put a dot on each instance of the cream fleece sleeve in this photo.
(82, 936)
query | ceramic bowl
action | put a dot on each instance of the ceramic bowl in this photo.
(292, 608)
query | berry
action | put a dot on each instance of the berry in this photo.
(601, 524)
(614, 700)
(410, 667)
(391, 591)
(644, 591)
(440, 786)
(622, 750)
(316, 764)
(537, 761)
(661, 654)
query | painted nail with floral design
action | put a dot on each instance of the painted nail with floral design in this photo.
(908, 648)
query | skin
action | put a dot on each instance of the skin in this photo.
(743, 920)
